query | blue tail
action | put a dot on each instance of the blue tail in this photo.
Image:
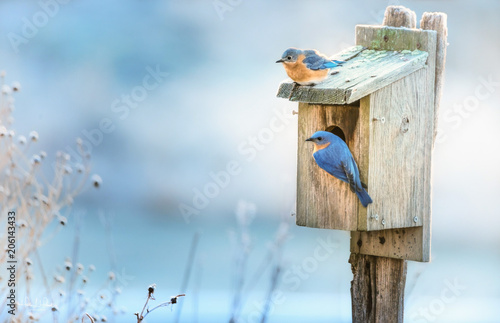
(364, 198)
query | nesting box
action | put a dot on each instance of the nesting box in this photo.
(381, 102)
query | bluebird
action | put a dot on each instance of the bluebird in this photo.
(307, 67)
(332, 155)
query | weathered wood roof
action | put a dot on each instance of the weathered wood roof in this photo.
(364, 72)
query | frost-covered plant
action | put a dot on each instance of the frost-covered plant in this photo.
(145, 309)
(36, 200)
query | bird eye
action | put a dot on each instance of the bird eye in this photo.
(289, 58)
(319, 138)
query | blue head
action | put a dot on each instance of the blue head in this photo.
(322, 138)
(291, 55)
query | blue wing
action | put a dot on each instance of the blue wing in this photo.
(351, 172)
(314, 61)
(337, 160)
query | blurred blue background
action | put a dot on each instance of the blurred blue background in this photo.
(82, 69)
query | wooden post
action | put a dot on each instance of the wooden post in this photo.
(377, 290)
(437, 21)
(399, 16)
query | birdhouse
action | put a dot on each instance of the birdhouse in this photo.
(381, 103)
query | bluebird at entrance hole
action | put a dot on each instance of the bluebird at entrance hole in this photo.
(332, 155)
(307, 67)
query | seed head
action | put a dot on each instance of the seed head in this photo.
(67, 170)
(33, 136)
(16, 86)
(59, 279)
(62, 220)
(36, 159)
(20, 223)
(21, 140)
(96, 180)
(80, 168)
(151, 290)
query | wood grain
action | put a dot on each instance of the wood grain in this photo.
(377, 289)
(399, 16)
(324, 201)
(404, 243)
(437, 21)
(399, 148)
(394, 39)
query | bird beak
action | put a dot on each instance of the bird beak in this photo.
(309, 139)
(280, 61)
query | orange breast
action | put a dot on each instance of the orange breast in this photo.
(319, 147)
(301, 74)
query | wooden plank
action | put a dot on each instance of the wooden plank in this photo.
(377, 289)
(393, 39)
(404, 243)
(400, 145)
(366, 72)
(364, 155)
(386, 72)
(437, 21)
(322, 200)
